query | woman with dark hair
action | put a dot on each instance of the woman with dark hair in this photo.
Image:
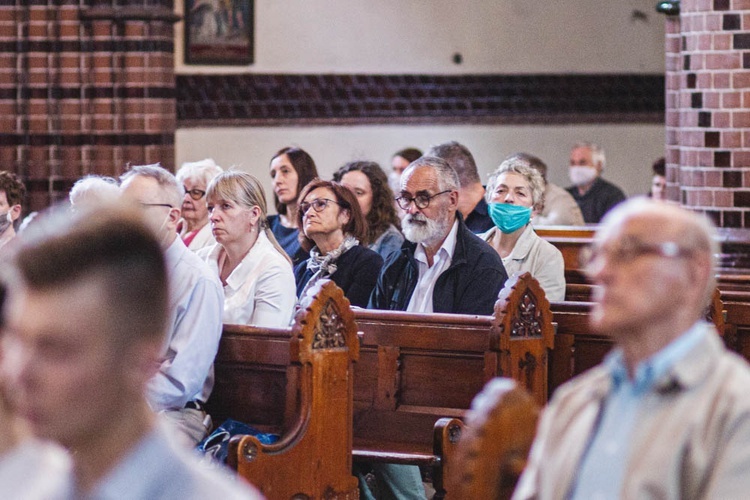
(332, 226)
(369, 184)
(291, 169)
(400, 160)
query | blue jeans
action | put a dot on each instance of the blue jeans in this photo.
(395, 482)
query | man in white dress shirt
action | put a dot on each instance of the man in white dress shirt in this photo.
(185, 377)
(88, 310)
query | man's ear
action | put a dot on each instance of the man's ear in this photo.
(141, 362)
(453, 199)
(15, 212)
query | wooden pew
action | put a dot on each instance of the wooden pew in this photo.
(737, 306)
(569, 240)
(415, 368)
(495, 445)
(298, 382)
(577, 348)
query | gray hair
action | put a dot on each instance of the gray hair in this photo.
(203, 170)
(447, 177)
(166, 180)
(597, 152)
(532, 161)
(530, 175)
(460, 158)
(93, 189)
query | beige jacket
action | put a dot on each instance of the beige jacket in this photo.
(692, 440)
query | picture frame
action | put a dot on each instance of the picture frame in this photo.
(219, 32)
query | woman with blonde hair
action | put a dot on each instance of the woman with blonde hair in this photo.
(259, 286)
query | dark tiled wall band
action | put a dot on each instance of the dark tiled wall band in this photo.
(258, 99)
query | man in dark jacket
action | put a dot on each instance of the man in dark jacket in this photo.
(442, 267)
(594, 195)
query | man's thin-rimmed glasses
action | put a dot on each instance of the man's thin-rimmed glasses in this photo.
(318, 205)
(422, 201)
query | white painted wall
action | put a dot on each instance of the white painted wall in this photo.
(631, 149)
(421, 36)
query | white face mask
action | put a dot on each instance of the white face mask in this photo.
(580, 176)
(394, 181)
(6, 222)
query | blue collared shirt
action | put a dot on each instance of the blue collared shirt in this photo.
(603, 465)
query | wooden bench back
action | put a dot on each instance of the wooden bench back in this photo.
(495, 443)
(313, 457)
(415, 368)
(577, 348)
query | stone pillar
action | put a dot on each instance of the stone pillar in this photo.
(708, 109)
(85, 87)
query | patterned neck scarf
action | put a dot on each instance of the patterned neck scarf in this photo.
(326, 264)
(323, 266)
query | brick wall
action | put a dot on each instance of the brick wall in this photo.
(84, 88)
(708, 109)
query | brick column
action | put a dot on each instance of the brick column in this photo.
(85, 87)
(708, 109)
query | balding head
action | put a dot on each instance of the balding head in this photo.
(654, 264)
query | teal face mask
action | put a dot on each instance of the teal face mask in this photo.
(509, 218)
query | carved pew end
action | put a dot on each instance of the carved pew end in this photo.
(495, 444)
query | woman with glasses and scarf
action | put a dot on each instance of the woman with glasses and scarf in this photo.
(253, 268)
(515, 194)
(194, 228)
(332, 227)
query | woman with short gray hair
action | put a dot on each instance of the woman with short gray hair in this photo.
(194, 178)
(515, 194)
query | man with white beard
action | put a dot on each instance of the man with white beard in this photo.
(442, 266)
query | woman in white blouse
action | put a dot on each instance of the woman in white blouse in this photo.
(259, 286)
(515, 194)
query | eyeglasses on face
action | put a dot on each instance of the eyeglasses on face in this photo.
(318, 205)
(627, 251)
(422, 201)
(146, 205)
(195, 194)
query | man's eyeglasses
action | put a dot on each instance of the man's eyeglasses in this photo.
(422, 201)
(195, 194)
(146, 205)
(318, 205)
(627, 251)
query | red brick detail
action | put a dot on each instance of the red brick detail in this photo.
(87, 84)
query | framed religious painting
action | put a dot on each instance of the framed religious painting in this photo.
(219, 32)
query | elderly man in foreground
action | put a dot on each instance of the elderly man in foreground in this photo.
(667, 414)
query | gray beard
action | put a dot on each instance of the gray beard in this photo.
(426, 232)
